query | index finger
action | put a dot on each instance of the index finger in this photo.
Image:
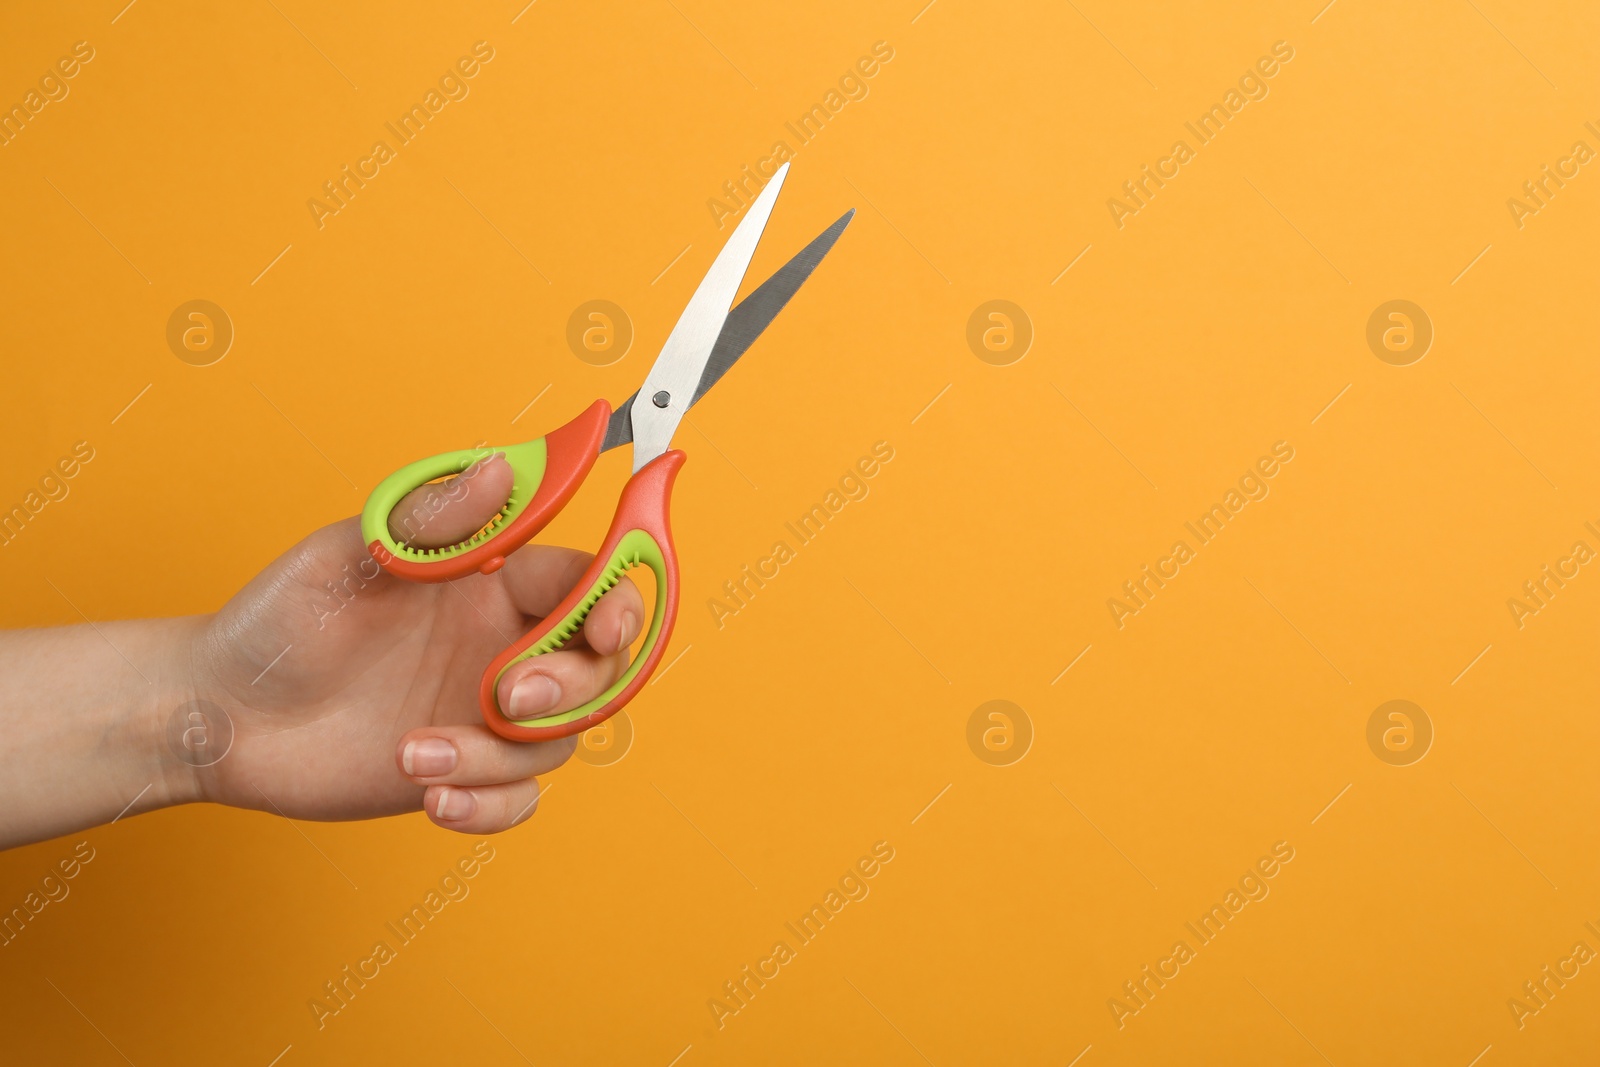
(538, 578)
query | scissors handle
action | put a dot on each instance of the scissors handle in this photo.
(640, 534)
(545, 474)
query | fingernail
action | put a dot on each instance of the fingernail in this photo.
(429, 757)
(454, 805)
(627, 630)
(534, 694)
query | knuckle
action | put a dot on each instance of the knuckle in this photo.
(573, 670)
(576, 563)
(603, 670)
(625, 591)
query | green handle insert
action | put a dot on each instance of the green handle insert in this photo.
(527, 466)
(634, 548)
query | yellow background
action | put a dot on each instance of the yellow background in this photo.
(829, 712)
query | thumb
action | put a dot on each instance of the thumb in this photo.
(448, 512)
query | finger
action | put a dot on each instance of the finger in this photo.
(616, 619)
(557, 681)
(448, 512)
(475, 755)
(482, 809)
(538, 577)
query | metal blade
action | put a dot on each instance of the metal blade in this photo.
(668, 389)
(744, 324)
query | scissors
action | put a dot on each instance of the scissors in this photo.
(707, 340)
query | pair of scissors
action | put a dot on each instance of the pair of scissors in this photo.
(707, 340)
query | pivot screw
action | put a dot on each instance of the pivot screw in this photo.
(661, 399)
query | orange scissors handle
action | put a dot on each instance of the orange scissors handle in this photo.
(545, 474)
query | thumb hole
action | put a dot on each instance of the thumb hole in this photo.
(448, 512)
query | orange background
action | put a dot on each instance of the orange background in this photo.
(831, 710)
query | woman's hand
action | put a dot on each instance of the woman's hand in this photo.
(351, 694)
(354, 694)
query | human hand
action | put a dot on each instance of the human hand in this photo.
(354, 694)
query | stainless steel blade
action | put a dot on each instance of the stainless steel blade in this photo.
(744, 324)
(668, 389)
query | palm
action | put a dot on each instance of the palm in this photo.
(355, 669)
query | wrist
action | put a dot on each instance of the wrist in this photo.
(88, 709)
(167, 727)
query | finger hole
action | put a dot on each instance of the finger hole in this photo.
(617, 618)
(445, 513)
(557, 682)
